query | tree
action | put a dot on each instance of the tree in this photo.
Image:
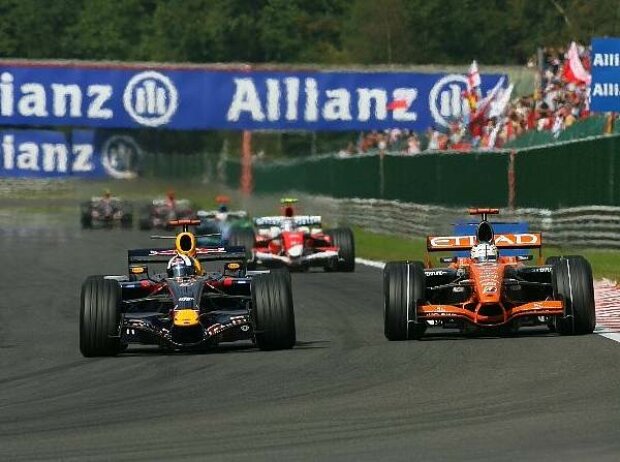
(379, 32)
(108, 30)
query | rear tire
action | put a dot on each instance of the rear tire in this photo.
(86, 220)
(573, 283)
(343, 238)
(272, 311)
(127, 221)
(145, 224)
(100, 317)
(243, 237)
(399, 323)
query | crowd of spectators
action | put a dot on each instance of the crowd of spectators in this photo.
(560, 100)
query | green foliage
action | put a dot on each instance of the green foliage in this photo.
(338, 32)
(382, 247)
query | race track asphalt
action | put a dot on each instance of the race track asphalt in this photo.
(344, 393)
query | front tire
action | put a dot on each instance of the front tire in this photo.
(404, 286)
(573, 283)
(272, 311)
(343, 239)
(100, 317)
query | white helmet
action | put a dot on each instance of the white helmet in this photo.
(484, 252)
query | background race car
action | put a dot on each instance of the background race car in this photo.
(161, 211)
(487, 290)
(298, 242)
(186, 307)
(223, 226)
(106, 211)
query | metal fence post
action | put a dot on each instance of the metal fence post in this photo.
(246, 163)
(512, 193)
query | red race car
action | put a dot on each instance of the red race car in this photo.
(298, 242)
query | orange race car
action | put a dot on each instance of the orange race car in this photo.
(486, 291)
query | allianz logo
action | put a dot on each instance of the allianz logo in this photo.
(446, 101)
(302, 98)
(45, 157)
(150, 98)
(120, 155)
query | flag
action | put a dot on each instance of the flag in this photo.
(573, 67)
(500, 104)
(485, 104)
(473, 77)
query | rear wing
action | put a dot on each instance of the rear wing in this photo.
(299, 220)
(211, 214)
(181, 203)
(100, 198)
(502, 241)
(203, 254)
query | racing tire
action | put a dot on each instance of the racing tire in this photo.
(243, 237)
(573, 283)
(403, 282)
(343, 238)
(552, 260)
(127, 221)
(86, 220)
(145, 224)
(272, 313)
(100, 316)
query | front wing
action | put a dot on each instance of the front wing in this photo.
(446, 312)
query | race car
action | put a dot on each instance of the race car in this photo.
(298, 242)
(225, 227)
(106, 211)
(186, 306)
(161, 211)
(487, 291)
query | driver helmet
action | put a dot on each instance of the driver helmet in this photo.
(222, 213)
(484, 252)
(288, 224)
(180, 266)
(107, 194)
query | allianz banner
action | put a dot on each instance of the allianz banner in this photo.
(88, 95)
(605, 85)
(54, 154)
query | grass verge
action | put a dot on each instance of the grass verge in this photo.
(383, 247)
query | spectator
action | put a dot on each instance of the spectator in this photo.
(559, 104)
(413, 144)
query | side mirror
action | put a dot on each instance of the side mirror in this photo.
(447, 259)
(525, 257)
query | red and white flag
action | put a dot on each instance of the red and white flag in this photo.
(473, 77)
(499, 106)
(573, 67)
(491, 97)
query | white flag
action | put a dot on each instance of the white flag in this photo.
(473, 76)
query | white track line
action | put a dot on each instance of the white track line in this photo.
(371, 263)
(606, 296)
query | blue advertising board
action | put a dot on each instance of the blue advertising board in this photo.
(44, 94)
(605, 85)
(469, 229)
(79, 153)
